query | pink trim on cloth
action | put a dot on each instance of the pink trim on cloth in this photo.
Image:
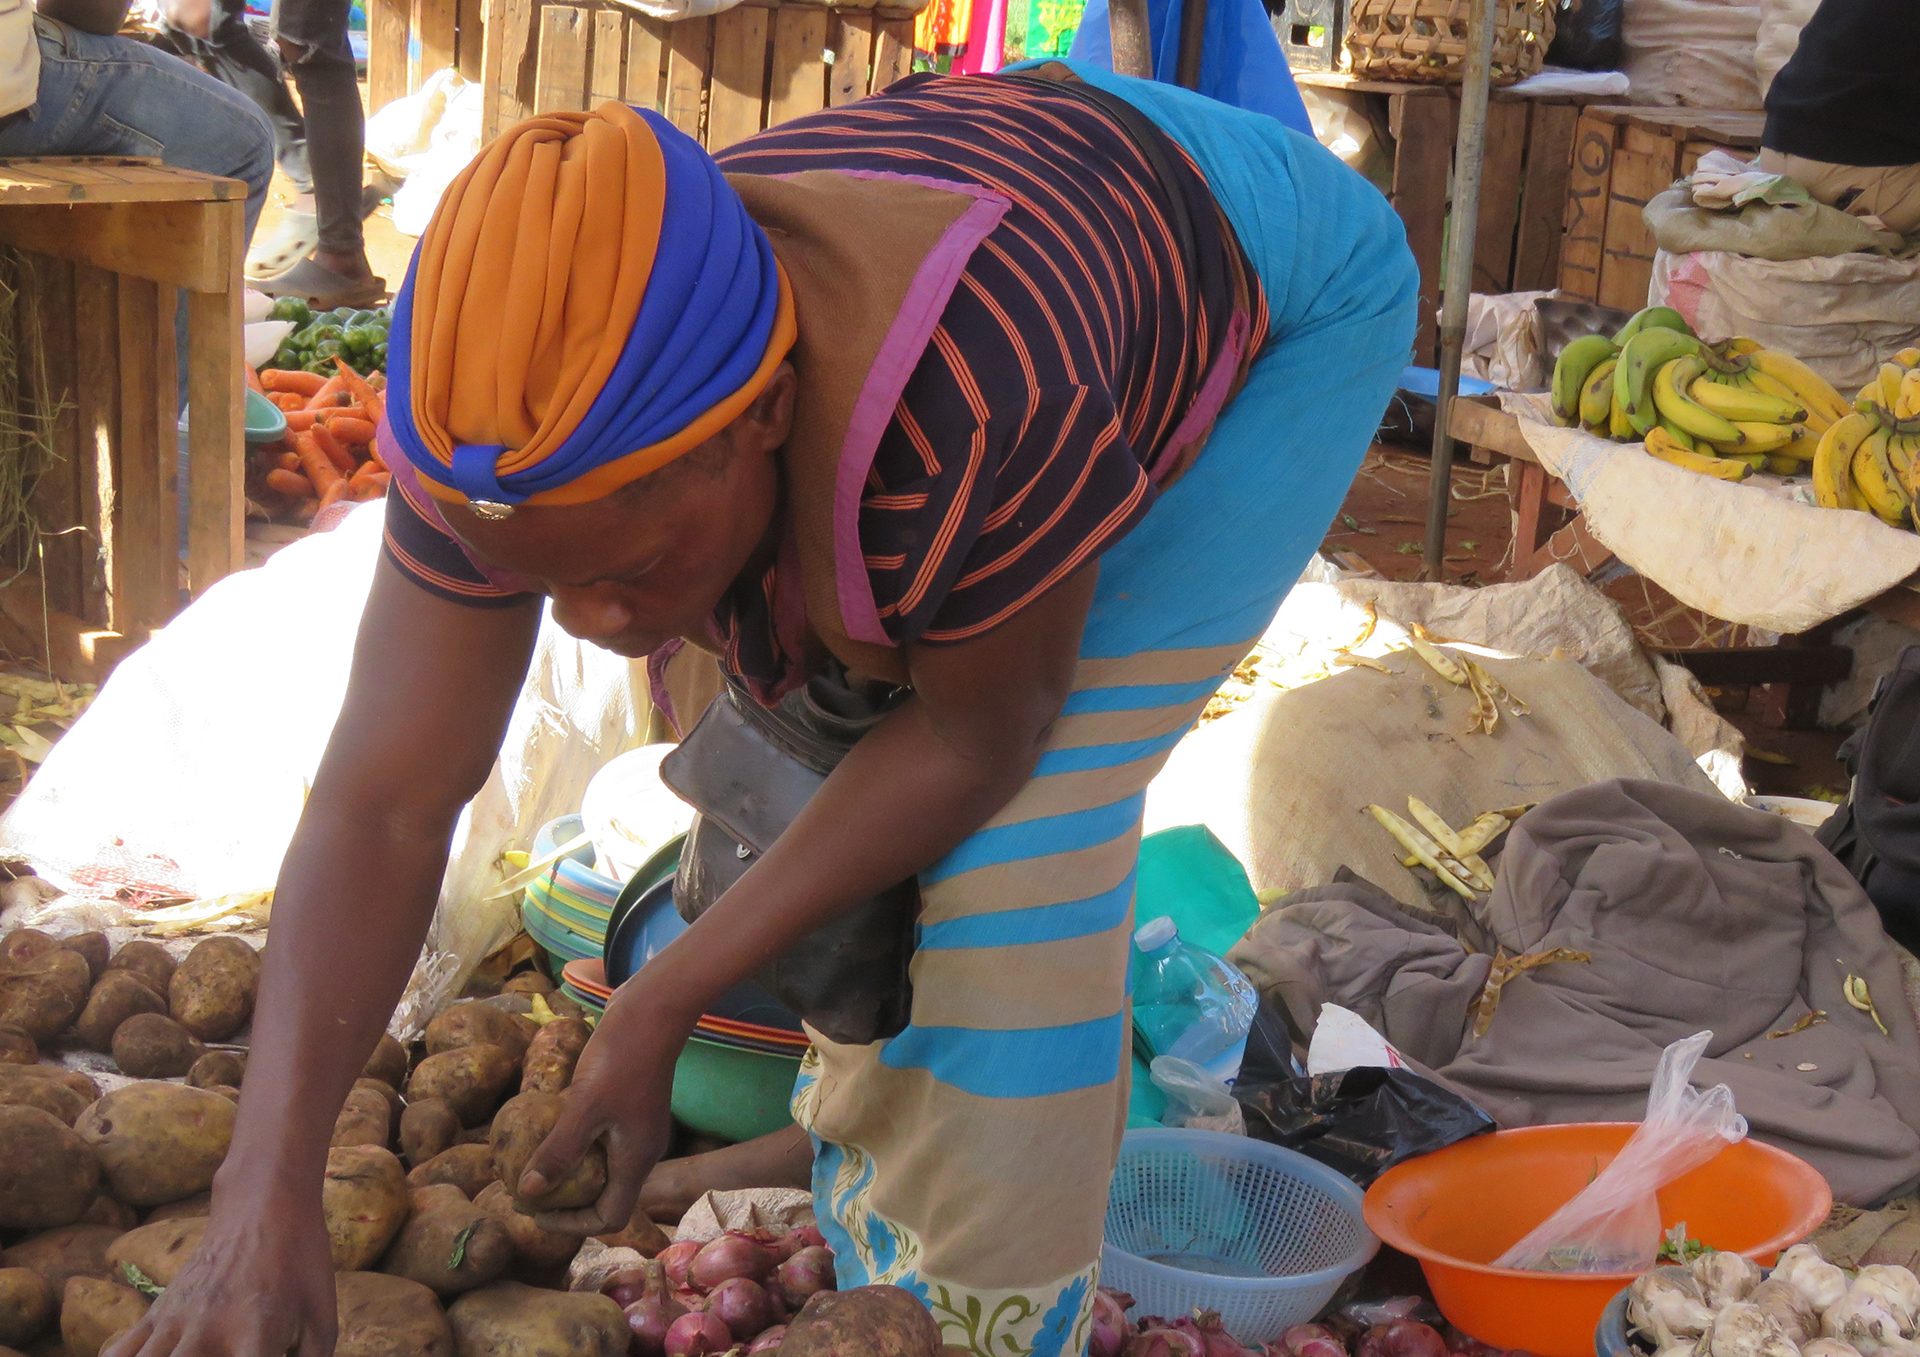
(1208, 403)
(408, 481)
(934, 281)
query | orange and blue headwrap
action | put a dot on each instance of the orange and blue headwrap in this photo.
(590, 301)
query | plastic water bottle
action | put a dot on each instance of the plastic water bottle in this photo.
(1189, 1003)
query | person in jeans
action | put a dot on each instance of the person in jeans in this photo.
(70, 86)
(312, 38)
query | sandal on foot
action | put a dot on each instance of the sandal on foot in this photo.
(319, 286)
(293, 239)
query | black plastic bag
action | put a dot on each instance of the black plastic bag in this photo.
(1360, 1122)
(1588, 35)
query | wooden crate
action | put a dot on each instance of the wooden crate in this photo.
(408, 40)
(105, 245)
(1523, 185)
(720, 79)
(1621, 158)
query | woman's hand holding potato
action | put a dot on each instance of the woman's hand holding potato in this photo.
(261, 1281)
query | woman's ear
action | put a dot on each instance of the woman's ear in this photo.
(764, 425)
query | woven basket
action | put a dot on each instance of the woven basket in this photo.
(1426, 40)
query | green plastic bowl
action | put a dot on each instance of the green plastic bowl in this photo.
(733, 1094)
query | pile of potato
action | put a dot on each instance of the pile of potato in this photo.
(103, 1199)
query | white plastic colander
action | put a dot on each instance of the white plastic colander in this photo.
(1197, 1220)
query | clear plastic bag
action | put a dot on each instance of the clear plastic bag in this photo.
(1613, 1224)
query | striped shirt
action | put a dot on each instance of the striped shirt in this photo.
(1075, 342)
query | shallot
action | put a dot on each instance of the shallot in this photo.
(1402, 1338)
(1215, 1341)
(633, 1283)
(649, 1318)
(1292, 1339)
(741, 1305)
(676, 1259)
(807, 1272)
(1110, 1329)
(695, 1335)
(731, 1255)
(794, 1240)
(1160, 1339)
(768, 1341)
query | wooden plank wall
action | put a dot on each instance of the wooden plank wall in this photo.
(719, 79)
(408, 40)
(1522, 192)
(1621, 158)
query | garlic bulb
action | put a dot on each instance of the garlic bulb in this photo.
(1895, 1288)
(1743, 1329)
(1820, 1284)
(1724, 1277)
(1784, 1304)
(1861, 1320)
(1828, 1347)
(1666, 1305)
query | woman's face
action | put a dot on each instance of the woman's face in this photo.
(652, 561)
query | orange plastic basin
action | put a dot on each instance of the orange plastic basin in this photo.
(1463, 1206)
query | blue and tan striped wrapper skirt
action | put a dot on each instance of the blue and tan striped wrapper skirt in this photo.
(967, 1158)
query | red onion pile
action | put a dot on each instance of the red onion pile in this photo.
(732, 1295)
(1384, 1331)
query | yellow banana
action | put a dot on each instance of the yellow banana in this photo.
(1755, 461)
(1783, 466)
(1596, 396)
(1679, 436)
(1908, 403)
(1744, 406)
(1909, 448)
(1805, 386)
(1874, 478)
(1764, 437)
(1619, 427)
(1806, 442)
(1818, 419)
(1662, 445)
(1670, 386)
(1890, 378)
(1833, 462)
(1907, 358)
(1740, 345)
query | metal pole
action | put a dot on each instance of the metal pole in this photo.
(1457, 279)
(1132, 42)
(1193, 31)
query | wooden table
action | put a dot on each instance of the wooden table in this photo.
(1549, 528)
(105, 243)
(1523, 187)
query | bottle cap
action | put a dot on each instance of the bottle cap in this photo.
(1154, 934)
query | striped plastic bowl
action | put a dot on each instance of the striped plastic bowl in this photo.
(567, 908)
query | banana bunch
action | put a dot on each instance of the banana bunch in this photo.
(1869, 459)
(1724, 410)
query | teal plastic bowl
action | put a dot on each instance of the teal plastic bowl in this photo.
(733, 1094)
(265, 422)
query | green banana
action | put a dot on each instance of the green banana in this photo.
(1670, 398)
(1596, 397)
(1644, 355)
(1570, 372)
(1651, 318)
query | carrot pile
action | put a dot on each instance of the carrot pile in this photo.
(331, 451)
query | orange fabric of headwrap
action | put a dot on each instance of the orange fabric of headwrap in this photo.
(520, 309)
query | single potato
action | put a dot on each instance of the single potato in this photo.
(116, 996)
(448, 1244)
(509, 1319)
(518, 1129)
(48, 1176)
(93, 1314)
(470, 1078)
(158, 1142)
(365, 1200)
(211, 993)
(382, 1316)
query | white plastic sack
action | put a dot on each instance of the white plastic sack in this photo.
(187, 775)
(1613, 1224)
(426, 138)
(1739, 552)
(1693, 52)
(1779, 35)
(1343, 1040)
(1842, 316)
(1502, 343)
